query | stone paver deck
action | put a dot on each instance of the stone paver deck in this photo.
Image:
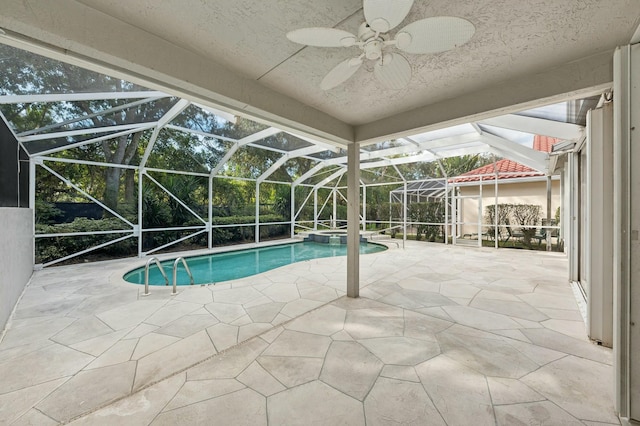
(441, 335)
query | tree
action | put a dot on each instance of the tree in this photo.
(527, 216)
(26, 73)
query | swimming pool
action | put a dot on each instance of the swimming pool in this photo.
(218, 267)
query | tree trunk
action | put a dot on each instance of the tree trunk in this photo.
(112, 187)
(130, 186)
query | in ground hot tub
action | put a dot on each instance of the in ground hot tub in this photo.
(333, 237)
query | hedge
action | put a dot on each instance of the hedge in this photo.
(52, 248)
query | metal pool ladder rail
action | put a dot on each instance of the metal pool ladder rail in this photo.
(175, 272)
(146, 274)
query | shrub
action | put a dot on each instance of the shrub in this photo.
(504, 211)
(47, 213)
(429, 212)
(48, 249)
(526, 216)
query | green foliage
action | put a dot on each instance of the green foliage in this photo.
(503, 218)
(48, 249)
(237, 234)
(526, 216)
(453, 166)
(282, 202)
(46, 213)
(155, 211)
(428, 215)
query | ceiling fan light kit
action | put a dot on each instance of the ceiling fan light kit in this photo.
(429, 35)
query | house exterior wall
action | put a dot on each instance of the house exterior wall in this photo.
(16, 257)
(508, 193)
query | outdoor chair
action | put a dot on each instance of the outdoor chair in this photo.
(513, 234)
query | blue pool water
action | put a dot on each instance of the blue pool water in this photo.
(243, 263)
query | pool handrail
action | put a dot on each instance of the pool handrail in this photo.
(175, 273)
(146, 274)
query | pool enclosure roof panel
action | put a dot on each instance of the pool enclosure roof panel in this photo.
(208, 140)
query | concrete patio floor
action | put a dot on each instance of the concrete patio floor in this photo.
(441, 335)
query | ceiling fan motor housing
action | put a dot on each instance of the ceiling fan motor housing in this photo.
(373, 49)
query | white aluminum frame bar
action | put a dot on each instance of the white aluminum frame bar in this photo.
(536, 126)
(93, 140)
(74, 97)
(176, 198)
(99, 246)
(86, 131)
(87, 116)
(86, 194)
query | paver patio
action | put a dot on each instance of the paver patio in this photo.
(440, 335)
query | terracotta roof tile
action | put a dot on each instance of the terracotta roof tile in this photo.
(515, 169)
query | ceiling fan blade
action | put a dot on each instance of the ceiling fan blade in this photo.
(432, 35)
(383, 15)
(322, 37)
(340, 73)
(393, 71)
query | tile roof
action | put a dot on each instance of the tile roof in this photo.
(513, 168)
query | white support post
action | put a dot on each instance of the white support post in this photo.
(364, 207)
(404, 214)
(353, 234)
(257, 219)
(572, 225)
(32, 203)
(446, 211)
(141, 174)
(335, 208)
(315, 209)
(480, 215)
(548, 230)
(390, 212)
(293, 211)
(495, 211)
(454, 217)
(210, 218)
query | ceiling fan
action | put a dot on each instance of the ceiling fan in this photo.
(429, 35)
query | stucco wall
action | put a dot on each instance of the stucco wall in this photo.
(16, 257)
(508, 193)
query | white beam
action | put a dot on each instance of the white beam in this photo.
(88, 116)
(326, 145)
(293, 154)
(87, 131)
(451, 141)
(329, 178)
(73, 97)
(200, 133)
(537, 126)
(218, 113)
(529, 157)
(312, 171)
(180, 106)
(241, 142)
(175, 110)
(93, 140)
(270, 131)
(224, 159)
(425, 156)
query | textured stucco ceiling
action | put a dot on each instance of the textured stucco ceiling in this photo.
(515, 43)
